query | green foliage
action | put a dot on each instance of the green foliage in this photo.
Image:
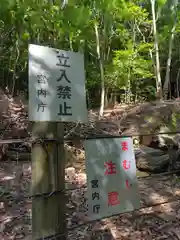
(130, 64)
(125, 30)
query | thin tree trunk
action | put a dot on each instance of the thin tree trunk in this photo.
(14, 73)
(177, 84)
(128, 92)
(158, 74)
(168, 65)
(133, 56)
(70, 43)
(106, 97)
(101, 65)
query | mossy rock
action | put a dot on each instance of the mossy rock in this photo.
(151, 160)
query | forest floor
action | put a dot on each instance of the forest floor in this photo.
(162, 221)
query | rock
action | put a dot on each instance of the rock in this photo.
(151, 160)
(146, 140)
(168, 139)
(153, 118)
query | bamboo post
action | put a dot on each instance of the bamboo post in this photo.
(48, 175)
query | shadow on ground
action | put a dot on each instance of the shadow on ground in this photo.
(158, 222)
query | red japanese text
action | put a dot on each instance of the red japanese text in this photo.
(124, 146)
(113, 199)
(110, 168)
(126, 164)
(128, 185)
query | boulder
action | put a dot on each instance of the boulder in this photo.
(169, 140)
(151, 160)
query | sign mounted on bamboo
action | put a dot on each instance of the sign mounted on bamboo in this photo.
(111, 176)
(56, 85)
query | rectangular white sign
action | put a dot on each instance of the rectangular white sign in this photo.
(111, 177)
(56, 85)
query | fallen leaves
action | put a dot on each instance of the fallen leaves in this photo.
(160, 222)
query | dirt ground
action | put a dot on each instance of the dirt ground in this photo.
(159, 222)
(162, 221)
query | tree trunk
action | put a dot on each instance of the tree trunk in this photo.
(106, 102)
(168, 65)
(70, 43)
(48, 175)
(177, 84)
(101, 65)
(158, 74)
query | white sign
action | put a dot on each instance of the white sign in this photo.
(56, 85)
(111, 177)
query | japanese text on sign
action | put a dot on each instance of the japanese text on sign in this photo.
(111, 175)
(56, 85)
(63, 90)
(95, 196)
